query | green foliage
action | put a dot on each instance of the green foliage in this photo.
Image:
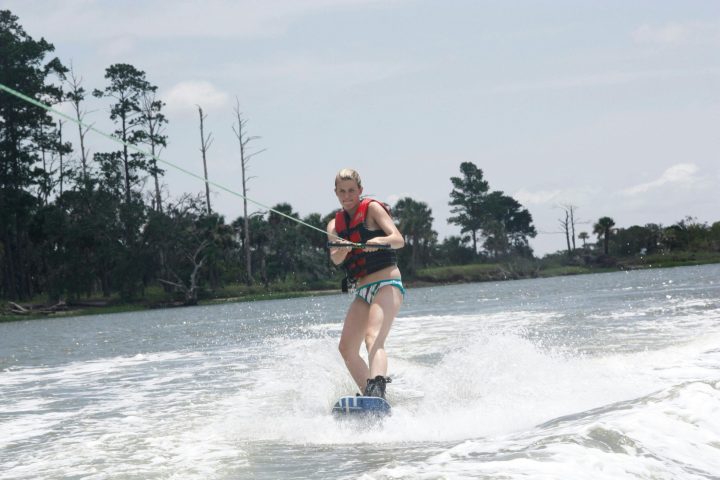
(463, 273)
(506, 226)
(503, 222)
(636, 240)
(603, 229)
(290, 251)
(714, 237)
(127, 87)
(414, 219)
(454, 251)
(467, 198)
(688, 234)
(23, 66)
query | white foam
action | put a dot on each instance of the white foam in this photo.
(670, 434)
(140, 415)
(492, 384)
(626, 390)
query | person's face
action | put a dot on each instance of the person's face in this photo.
(348, 193)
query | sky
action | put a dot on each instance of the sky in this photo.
(610, 106)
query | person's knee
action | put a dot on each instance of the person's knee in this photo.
(372, 342)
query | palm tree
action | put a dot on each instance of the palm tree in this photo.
(603, 229)
(415, 222)
(583, 236)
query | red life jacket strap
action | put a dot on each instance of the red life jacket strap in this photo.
(359, 217)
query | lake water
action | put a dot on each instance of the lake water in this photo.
(605, 376)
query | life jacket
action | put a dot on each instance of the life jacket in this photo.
(359, 262)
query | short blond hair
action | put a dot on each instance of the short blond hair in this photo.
(348, 174)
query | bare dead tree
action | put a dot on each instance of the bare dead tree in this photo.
(49, 141)
(154, 123)
(245, 156)
(205, 142)
(76, 95)
(567, 226)
(46, 185)
(190, 289)
(571, 209)
(60, 153)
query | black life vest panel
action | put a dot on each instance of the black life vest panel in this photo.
(359, 262)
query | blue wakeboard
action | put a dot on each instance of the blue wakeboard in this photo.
(361, 406)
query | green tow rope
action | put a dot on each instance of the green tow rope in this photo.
(155, 157)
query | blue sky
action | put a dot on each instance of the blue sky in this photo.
(611, 106)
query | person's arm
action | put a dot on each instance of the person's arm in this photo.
(337, 254)
(380, 217)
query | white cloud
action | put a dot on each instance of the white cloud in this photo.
(673, 33)
(186, 96)
(678, 33)
(573, 195)
(538, 198)
(682, 174)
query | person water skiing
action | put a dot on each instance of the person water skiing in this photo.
(378, 284)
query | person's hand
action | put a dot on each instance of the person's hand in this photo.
(342, 243)
(374, 241)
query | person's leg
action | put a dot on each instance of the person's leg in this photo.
(383, 309)
(351, 339)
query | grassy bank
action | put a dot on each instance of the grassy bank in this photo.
(679, 259)
(493, 272)
(484, 272)
(156, 297)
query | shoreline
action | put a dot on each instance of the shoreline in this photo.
(435, 276)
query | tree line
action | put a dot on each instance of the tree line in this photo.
(686, 235)
(74, 224)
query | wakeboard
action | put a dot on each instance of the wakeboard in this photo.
(361, 406)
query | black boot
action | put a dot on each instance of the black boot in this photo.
(376, 386)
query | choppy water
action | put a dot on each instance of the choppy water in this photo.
(600, 376)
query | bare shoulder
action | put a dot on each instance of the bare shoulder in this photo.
(376, 208)
(378, 217)
(331, 226)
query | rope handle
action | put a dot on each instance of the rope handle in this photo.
(384, 246)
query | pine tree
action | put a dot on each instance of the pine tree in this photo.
(23, 67)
